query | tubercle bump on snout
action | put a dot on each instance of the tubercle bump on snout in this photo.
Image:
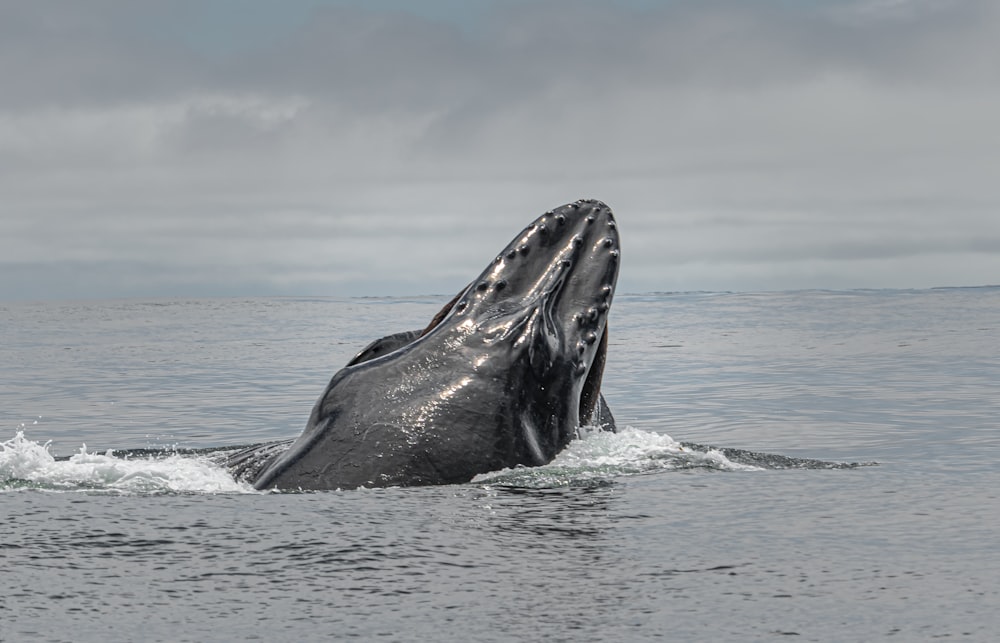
(485, 285)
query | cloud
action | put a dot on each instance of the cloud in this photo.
(333, 148)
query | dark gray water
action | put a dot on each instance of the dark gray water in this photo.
(625, 537)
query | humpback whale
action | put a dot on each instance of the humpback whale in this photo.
(503, 376)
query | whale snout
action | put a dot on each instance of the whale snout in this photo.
(575, 239)
(554, 281)
(586, 250)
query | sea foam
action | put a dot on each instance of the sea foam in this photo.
(25, 463)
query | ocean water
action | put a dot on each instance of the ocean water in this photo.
(852, 494)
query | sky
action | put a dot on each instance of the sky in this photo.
(187, 148)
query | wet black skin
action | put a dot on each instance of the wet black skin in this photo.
(503, 376)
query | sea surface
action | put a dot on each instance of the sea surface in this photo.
(852, 494)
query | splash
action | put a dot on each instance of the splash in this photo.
(599, 456)
(28, 464)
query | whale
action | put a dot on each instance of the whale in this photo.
(503, 376)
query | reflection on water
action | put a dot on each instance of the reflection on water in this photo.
(567, 514)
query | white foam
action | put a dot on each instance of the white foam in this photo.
(600, 455)
(25, 463)
(595, 458)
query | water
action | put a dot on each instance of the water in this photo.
(635, 536)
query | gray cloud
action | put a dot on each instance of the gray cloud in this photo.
(163, 149)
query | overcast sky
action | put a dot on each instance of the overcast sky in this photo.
(306, 147)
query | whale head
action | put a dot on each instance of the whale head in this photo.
(504, 374)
